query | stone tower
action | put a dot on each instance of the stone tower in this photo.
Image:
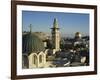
(55, 36)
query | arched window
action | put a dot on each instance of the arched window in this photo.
(40, 58)
(34, 58)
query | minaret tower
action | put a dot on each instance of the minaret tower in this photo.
(55, 36)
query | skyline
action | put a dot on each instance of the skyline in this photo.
(69, 23)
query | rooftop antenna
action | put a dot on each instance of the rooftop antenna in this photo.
(30, 28)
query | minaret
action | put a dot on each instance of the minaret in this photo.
(55, 36)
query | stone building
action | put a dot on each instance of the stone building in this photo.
(55, 36)
(34, 53)
(34, 49)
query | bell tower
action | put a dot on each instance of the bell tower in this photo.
(55, 36)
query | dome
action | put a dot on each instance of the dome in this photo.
(78, 35)
(32, 43)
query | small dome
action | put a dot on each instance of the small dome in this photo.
(78, 35)
(32, 43)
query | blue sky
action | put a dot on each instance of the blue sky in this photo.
(69, 23)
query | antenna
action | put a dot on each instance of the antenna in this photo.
(30, 28)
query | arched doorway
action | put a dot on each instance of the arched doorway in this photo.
(34, 60)
(40, 58)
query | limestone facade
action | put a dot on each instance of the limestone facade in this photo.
(55, 36)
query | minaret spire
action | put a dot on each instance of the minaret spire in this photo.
(55, 24)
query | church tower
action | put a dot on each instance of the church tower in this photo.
(55, 36)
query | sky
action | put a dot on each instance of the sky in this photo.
(69, 23)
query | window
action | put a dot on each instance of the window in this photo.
(40, 58)
(34, 58)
